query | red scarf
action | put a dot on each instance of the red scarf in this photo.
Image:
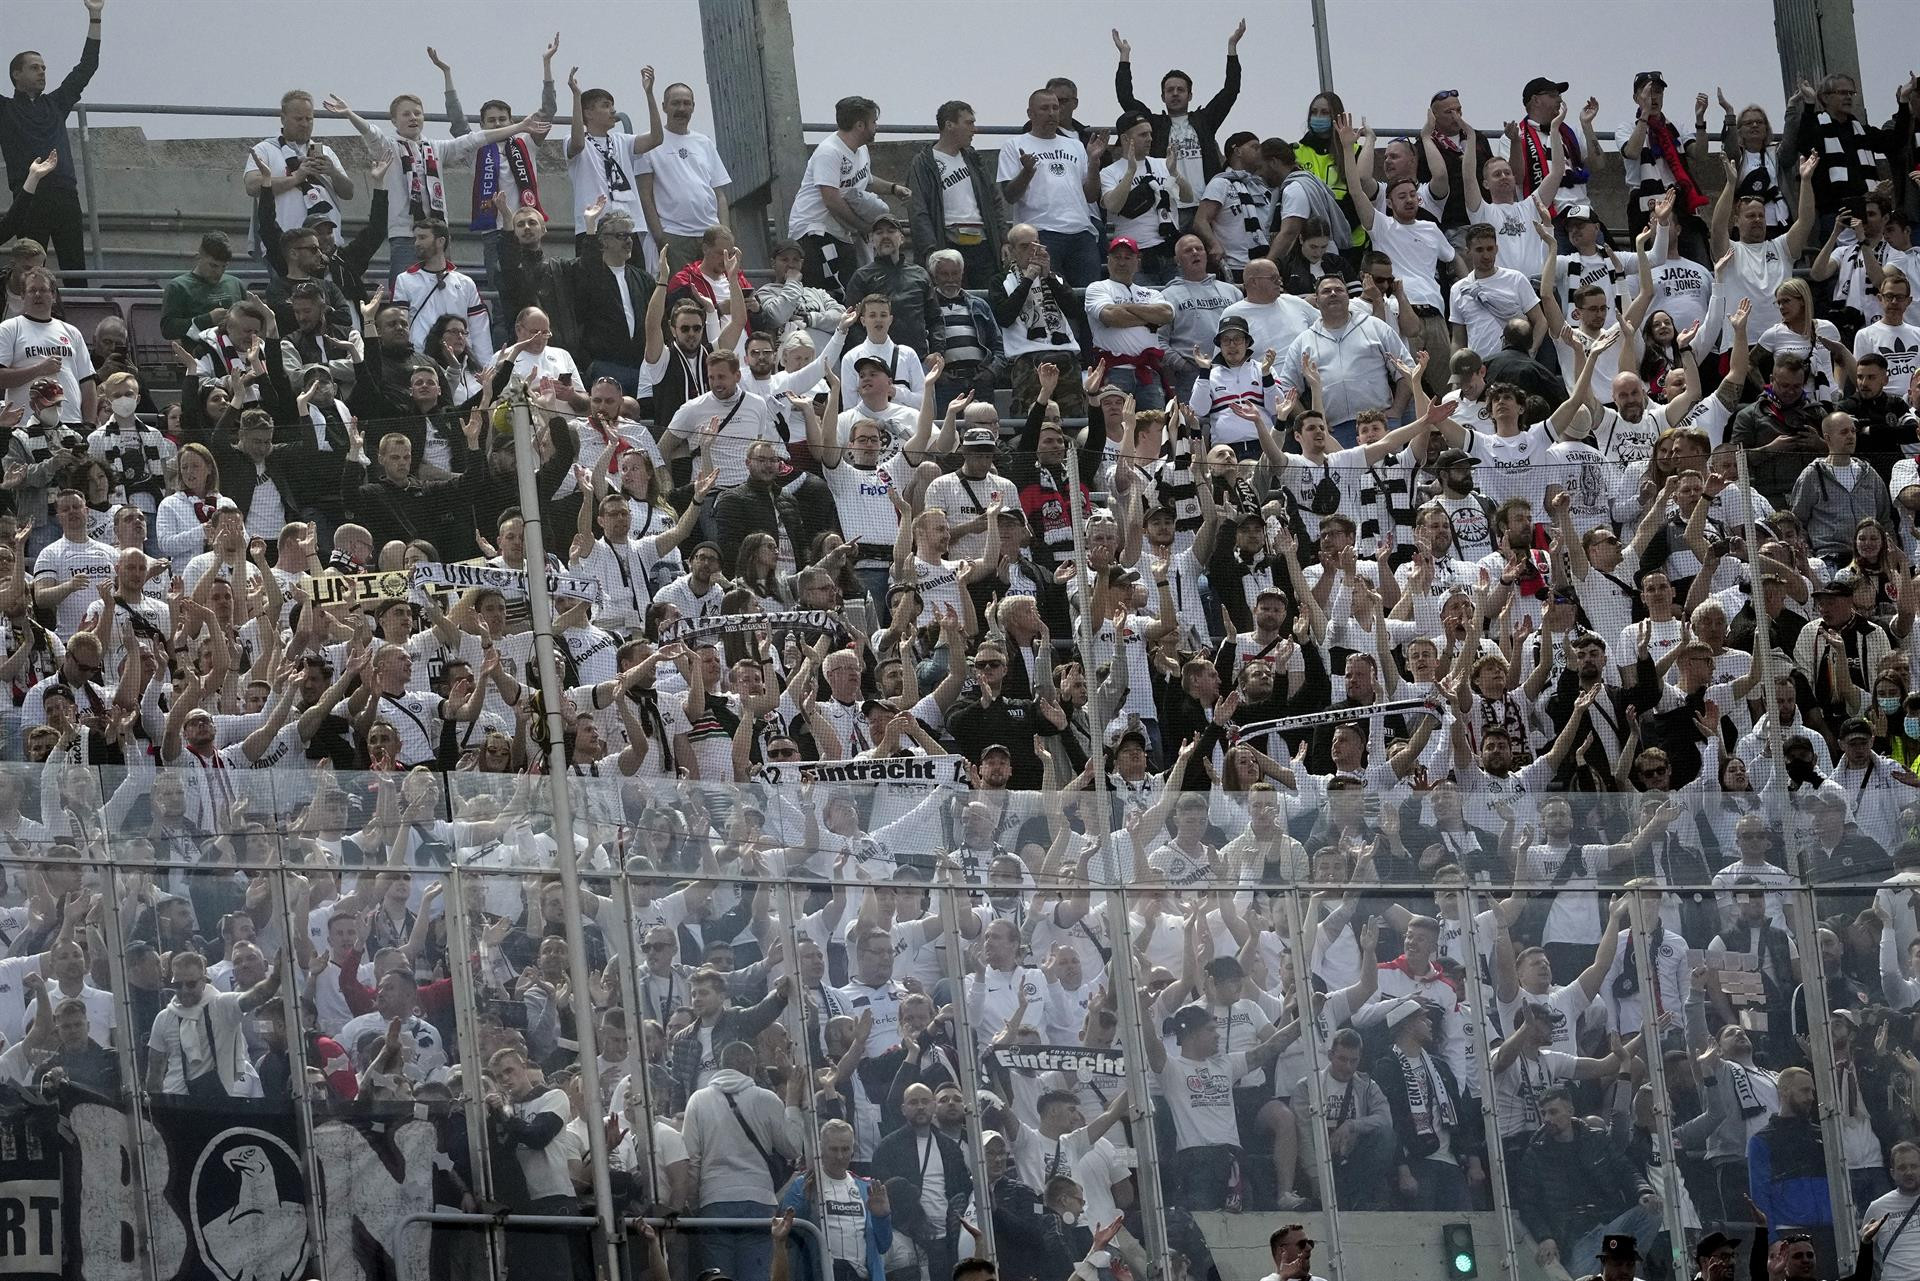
(1433, 972)
(1533, 150)
(1666, 141)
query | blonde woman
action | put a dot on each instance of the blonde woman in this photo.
(133, 448)
(1829, 362)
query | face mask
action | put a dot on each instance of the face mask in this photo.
(1912, 726)
(1320, 124)
(1889, 704)
(47, 415)
(123, 406)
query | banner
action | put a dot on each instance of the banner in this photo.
(1335, 716)
(333, 588)
(465, 576)
(697, 630)
(1062, 1058)
(227, 1196)
(933, 771)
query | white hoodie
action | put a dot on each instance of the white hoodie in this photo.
(725, 1165)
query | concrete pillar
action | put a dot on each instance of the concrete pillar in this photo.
(755, 92)
(1816, 38)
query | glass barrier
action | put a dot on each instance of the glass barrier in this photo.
(1548, 1016)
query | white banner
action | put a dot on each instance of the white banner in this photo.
(932, 771)
(463, 576)
(1062, 1058)
(695, 630)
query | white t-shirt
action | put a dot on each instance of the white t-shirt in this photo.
(959, 203)
(1417, 249)
(1055, 199)
(1900, 344)
(833, 164)
(59, 561)
(1199, 1093)
(1756, 271)
(24, 341)
(1821, 383)
(1485, 304)
(1520, 247)
(686, 167)
(1143, 228)
(1243, 200)
(1126, 340)
(546, 1168)
(606, 166)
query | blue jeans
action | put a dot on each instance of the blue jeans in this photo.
(1642, 1224)
(1076, 255)
(740, 1253)
(1146, 395)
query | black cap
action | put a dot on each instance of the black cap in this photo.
(1856, 725)
(1127, 120)
(991, 748)
(1232, 325)
(1454, 458)
(860, 364)
(1646, 78)
(1841, 584)
(886, 220)
(880, 703)
(1540, 84)
(1619, 1245)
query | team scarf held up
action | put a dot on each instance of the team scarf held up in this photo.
(1663, 143)
(1533, 150)
(695, 631)
(426, 197)
(1332, 715)
(517, 158)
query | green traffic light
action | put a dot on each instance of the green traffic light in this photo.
(1463, 1264)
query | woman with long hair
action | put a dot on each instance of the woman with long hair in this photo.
(1746, 139)
(1829, 362)
(447, 347)
(1314, 152)
(1879, 565)
(90, 478)
(183, 528)
(758, 565)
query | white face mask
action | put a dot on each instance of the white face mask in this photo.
(47, 415)
(123, 406)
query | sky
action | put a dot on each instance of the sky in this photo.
(1389, 56)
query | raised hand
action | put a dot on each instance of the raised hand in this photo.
(1126, 50)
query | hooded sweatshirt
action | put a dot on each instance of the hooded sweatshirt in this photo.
(725, 1165)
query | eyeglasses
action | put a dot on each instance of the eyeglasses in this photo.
(989, 664)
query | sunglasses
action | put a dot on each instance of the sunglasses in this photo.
(990, 664)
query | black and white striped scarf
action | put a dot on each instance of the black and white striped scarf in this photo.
(1847, 160)
(1040, 315)
(1418, 1074)
(134, 458)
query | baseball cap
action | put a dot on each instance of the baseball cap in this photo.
(1713, 1243)
(880, 703)
(1454, 458)
(786, 247)
(991, 748)
(884, 220)
(861, 364)
(1841, 584)
(321, 218)
(980, 438)
(1406, 1009)
(1127, 120)
(1646, 78)
(1540, 84)
(1123, 242)
(1581, 213)
(1857, 726)
(1109, 391)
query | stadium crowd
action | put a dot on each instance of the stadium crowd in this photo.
(1417, 565)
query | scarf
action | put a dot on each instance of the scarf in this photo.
(486, 180)
(1847, 159)
(1250, 203)
(1753, 1090)
(1760, 179)
(1417, 1073)
(318, 195)
(133, 458)
(1040, 314)
(1666, 145)
(1534, 152)
(420, 164)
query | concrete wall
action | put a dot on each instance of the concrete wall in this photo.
(156, 197)
(1397, 1245)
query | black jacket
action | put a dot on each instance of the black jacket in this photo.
(535, 278)
(916, 313)
(1206, 119)
(239, 477)
(1468, 1134)
(898, 1158)
(927, 211)
(600, 321)
(752, 508)
(1574, 1186)
(440, 512)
